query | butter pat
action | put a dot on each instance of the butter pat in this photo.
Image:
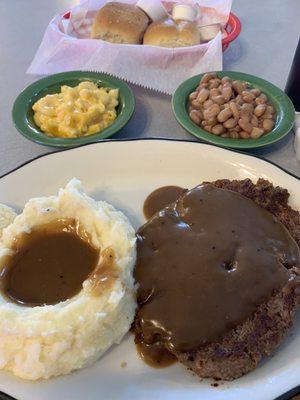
(153, 8)
(209, 32)
(184, 12)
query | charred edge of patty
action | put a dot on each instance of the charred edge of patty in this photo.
(272, 198)
(241, 349)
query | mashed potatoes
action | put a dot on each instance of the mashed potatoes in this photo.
(7, 215)
(44, 341)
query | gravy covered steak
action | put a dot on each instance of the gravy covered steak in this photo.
(218, 274)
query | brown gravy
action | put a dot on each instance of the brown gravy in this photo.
(156, 355)
(49, 264)
(160, 198)
(204, 264)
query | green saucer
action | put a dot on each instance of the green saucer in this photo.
(285, 112)
(22, 112)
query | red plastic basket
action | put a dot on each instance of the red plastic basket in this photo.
(233, 29)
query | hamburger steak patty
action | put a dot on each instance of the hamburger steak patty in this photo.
(241, 348)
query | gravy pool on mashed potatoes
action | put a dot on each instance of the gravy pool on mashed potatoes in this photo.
(53, 339)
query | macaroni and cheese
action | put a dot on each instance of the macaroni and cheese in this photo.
(76, 111)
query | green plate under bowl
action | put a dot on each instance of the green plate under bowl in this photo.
(285, 112)
(22, 112)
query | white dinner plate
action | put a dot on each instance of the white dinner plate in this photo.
(124, 173)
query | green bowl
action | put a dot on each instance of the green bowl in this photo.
(285, 112)
(22, 112)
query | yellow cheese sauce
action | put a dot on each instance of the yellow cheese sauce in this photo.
(76, 111)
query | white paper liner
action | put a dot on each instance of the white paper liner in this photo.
(66, 47)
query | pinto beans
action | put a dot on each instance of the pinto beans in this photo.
(203, 95)
(224, 115)
(230, 108)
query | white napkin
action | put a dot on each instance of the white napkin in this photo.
(66, 46)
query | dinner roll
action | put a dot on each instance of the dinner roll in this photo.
(120, 23)
(168, 33)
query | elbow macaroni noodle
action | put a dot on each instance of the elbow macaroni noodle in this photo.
(76, 111)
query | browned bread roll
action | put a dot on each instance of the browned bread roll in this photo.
(120, 23)
(170, 33)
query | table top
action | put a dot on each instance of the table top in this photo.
(265, 48)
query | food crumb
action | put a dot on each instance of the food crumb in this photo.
(123, 364)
